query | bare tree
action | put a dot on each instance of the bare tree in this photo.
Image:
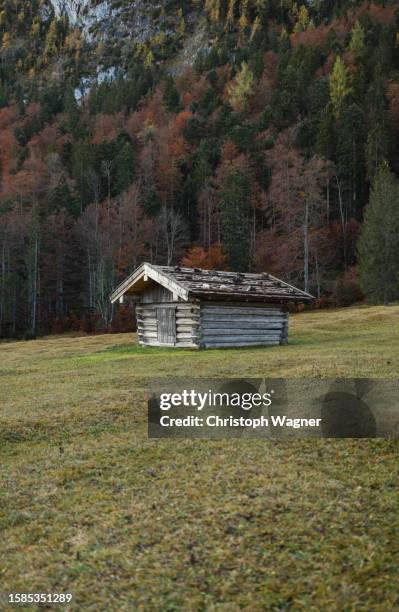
(174, 231)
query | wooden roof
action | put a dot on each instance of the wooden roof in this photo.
(191, 283)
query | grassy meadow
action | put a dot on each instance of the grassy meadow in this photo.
(92, 507)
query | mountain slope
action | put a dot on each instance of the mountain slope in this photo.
(239, 134)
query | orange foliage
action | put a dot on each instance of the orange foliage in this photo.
(107, 128)
(318, 36)
(212, 259)
(41, 143)
(382, 14)
(263, 93)
(8, 115)
(180, 122)
(7, 143)
(30, 184)
(229, 151)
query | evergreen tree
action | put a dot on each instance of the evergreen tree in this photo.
(378, 243)
(124, 167)
(339, 87)
(171, 96)
(357, 45)
(242, 89)
(235, 205)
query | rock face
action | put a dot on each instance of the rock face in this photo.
(139, 19)
(84, 13)
(74, 8)
(122, 24)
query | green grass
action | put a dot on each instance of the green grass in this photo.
(90, 506)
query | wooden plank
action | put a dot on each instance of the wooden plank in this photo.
(186, 337)
(156, 294)
(232, 318)
(147, 334)
(188, 312)
(183, 344)
(223, 325)
(166, 281)
(241, 311)
(239, 344)
(188, 322)
(188, 306)
(227, 303)
(187, 328)
(241, 332)
(241, 339)
(187, 317)
(166, 319)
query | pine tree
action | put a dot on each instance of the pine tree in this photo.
(357, 45)
(339, 87)
(235, 208)
(242, 89)
(171, 96)
(51, 41)
(303, 20)
(378, 243)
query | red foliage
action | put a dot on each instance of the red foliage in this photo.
(211, 259)
(383, 14)
(42, 143)
(107, 127)
(312, 38)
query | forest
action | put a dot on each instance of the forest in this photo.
(229, 134)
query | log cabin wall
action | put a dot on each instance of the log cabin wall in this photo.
(194, 325)
(168, 324)
(236, 325)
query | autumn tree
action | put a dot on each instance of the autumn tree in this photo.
(241, 89)
(297, 198)
(210, 259)
(339, 85)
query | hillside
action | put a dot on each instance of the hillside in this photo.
(91, 506)
(240, 134)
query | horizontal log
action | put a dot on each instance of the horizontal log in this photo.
(179, 306)
(191, 345)
(186, 337)
(244, 303)
(147, 334)
(241, 339)
(186, 328)
(192, 307)
(225, 333)
(188, 312)
(232, 318)
(187, 322)
(179, 336)
(235, 325)
(239, 344)
(232, 310)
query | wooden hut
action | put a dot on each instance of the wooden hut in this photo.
(185, 307)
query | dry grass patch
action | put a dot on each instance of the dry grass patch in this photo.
(90, 505)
